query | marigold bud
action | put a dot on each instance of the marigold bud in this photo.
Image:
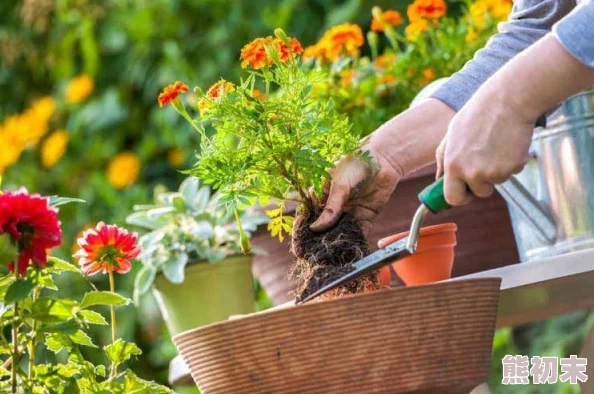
(377, 13)
(281, 35)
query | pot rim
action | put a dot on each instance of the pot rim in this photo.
(429, 230)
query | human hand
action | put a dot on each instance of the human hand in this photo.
(400, 146)
(487, 142)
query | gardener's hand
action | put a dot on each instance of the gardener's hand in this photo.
(488, 139)
(400, 146)
(486, 143)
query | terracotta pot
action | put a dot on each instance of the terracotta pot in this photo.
(433, 338)
(433, 260)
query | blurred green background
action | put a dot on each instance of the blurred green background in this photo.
(130, 49)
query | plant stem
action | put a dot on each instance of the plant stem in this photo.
(112, 371)
(31, 349)
(15, 342)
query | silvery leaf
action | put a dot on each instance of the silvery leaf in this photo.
(174, 268)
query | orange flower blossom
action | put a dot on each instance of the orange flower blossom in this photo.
(388, 18)
(426, 9)
(345, 39)
(214, 93)
(171, 92)
(107, 248)
(254, 54)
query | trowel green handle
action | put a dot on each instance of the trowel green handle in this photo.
(433, 198)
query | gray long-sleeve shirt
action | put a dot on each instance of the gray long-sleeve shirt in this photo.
(571, 23)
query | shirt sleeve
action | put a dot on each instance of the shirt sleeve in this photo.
(576, 32)
(529, 21)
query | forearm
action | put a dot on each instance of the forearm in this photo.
(538, 79)
(408, 141)
(530, 21)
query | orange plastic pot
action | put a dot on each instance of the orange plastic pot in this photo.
(433, 260)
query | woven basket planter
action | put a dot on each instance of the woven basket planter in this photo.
(425, 339)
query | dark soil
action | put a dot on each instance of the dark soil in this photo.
(325, 256)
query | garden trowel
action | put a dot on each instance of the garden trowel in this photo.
(432, 200)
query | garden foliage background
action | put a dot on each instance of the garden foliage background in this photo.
(79, 117)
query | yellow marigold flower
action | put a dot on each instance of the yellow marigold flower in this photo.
(53, 148)
(428, 74)
(501, 9)
(415, 29)
(79, 88)
(385, 61)
(477, 14)
(388, 18)
(472, 35)
(44, 108)
(10, 149)
(176, 157)
(344, 39)
(426, 9)
(214, 93)
(123, 170)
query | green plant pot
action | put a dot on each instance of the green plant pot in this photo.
(211, 292)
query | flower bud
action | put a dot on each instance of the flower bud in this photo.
(281, 35)
(377, 13)
(198, 91)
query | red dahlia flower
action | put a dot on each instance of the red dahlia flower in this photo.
(107, 248)
(32, 224)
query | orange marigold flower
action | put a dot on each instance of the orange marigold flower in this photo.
(214, 93)
(285, 52)
(170, 93)
(347, 76)
(254, 54)
(107, 248)
(258, 94)
(389, 18)
(428, 74)
(415, 29)
(385, 61)
(386, 80)
(345, 39)
(426, 9)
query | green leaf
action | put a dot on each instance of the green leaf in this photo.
(59, 265)
(100, 370)
(49, 310)
(57, 341)
(18, 291)
(82, 338)
(120, 351)
(144, 280)
(135, 385)
(46, 281)
(173, 269)
(8, 250)
(102, 298)
(56, 201)
(92, 317)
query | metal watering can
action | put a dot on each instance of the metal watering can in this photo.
(551, 202)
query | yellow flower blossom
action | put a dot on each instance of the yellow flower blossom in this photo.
(79, 88)
(123, 170)
(414, 30)
(54, 147)
(472, 35)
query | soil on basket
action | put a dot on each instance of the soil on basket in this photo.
(325, 256)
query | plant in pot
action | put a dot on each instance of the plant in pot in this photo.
(192, 256)
(279, 145)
